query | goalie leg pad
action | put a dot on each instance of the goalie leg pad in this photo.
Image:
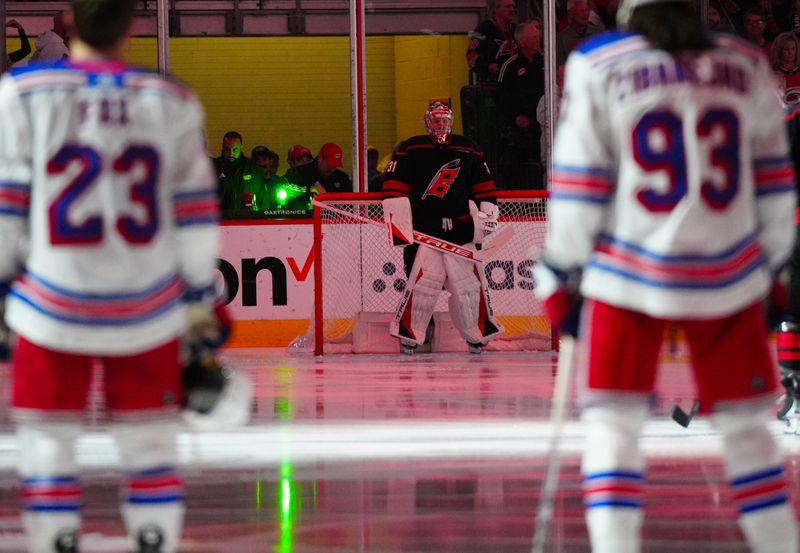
(470, 307)
(51, 491)
(754, 468)
(152, 492)
(425, 283)
(613, 474)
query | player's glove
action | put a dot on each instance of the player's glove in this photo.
(215, 398)
(563, 305)
(484, 218)
(563, 308)
(209, 326)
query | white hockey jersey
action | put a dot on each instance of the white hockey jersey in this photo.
(672, 187)
(108, 208)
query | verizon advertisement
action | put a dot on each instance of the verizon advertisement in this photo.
(268, 271)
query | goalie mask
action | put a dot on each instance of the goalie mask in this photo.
(439, 122)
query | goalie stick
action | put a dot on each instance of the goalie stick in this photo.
(499, 238)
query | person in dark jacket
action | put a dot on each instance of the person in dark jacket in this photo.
(239, 179)
(321, 175)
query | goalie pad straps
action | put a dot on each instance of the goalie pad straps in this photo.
(51, 491)
(152, 492)
(470, 307)
(425, 283)
(754, 467)
(613, 475)
(397, 215)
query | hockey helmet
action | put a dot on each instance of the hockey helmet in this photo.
(626, 7)
(439, 122)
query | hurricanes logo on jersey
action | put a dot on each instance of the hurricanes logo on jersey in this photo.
(444, 177)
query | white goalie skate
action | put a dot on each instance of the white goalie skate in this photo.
(789, 415)
(789, 411)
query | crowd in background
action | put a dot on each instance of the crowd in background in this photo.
(503, 108)
(506, 61)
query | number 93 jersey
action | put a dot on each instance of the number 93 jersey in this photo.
(672, 187)
(108, 208)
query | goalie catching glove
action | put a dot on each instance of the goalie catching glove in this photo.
(215, 398)
(485, 219)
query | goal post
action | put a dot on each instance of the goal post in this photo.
(359, 277)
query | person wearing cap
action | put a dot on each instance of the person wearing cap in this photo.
(268, 160)
(299, 155)
(323, 174)
(240, 181)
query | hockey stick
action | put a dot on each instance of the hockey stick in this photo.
(499, 238)
(788, 402)
(558, 410)
(682, 417)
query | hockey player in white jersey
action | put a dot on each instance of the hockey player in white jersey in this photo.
(673, 197)
(108, 240)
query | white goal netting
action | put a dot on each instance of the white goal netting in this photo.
(359, 276)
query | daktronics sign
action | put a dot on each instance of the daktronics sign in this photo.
(268, 271)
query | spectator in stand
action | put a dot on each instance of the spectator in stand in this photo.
(54, 45)
(785, 60)
(321, 175)
(240, 182)
(541, 116)
(299, 155)
(25, 44)
(274, 160)
(372, 166)
(716, 22)
(601, 13)
(733, 11)
(491, 42)
(754, 26)
(520, 86)
(269, 161)
(579, 28)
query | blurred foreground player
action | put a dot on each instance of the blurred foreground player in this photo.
(674, 194)
(108, 241)
(788, 335)
(441, 182)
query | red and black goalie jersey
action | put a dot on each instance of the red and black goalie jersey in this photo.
(439, 182)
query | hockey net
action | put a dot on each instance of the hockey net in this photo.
(359, 275)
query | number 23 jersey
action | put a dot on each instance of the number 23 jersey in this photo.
(108, 209)
(672, 186)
